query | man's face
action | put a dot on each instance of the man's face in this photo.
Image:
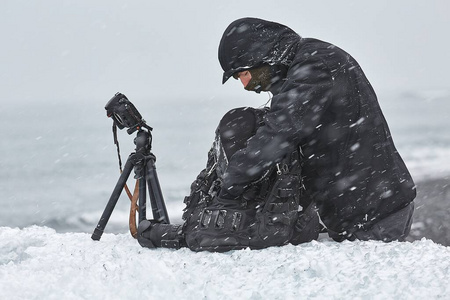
(256, 79)
(244, 77)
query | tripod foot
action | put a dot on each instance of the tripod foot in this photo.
(152, 234)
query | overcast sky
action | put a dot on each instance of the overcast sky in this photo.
(62, 50)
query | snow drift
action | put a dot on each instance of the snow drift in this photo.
(38, 263)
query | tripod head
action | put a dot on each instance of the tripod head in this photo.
(125, 114)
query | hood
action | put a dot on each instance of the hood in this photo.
(250, 42)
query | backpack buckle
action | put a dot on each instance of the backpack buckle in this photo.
(282, 169)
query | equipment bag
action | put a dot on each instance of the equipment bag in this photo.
(219, 225)
(268, 211)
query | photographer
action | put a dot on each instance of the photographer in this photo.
(323, 103)
(324, 123)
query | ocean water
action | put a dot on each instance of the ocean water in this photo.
(59, 164)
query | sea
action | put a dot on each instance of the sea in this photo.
(59, 164)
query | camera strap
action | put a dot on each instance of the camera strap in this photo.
(116, 142)
(133, 197)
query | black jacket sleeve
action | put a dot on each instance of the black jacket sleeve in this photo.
(295, 113)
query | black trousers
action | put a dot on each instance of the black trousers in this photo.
(395, 227)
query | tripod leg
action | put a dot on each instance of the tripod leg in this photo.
(142, 200)
(97, 234)
(156, 198)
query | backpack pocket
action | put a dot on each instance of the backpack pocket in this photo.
(277, 217)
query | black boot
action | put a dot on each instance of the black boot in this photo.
(307, 227)
(143, 235)
(152, 235)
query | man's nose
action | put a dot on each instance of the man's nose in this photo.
(245, 77)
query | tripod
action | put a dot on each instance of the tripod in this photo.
(143, 162)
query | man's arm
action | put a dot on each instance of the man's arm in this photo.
(294, 115)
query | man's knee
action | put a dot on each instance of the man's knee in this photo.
(236, 127)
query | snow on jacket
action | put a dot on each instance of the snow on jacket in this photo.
(326, 106)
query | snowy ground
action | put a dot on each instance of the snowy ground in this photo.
(38, 263)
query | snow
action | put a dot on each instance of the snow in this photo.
(38, 263)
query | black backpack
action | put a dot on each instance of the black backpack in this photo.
(266, 214)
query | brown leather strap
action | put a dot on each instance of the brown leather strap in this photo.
(128, 191)
(133, 208)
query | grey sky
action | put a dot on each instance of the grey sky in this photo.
(62, 50)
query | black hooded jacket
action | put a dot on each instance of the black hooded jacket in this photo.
(326, 106)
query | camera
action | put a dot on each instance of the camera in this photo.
(124, 114)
